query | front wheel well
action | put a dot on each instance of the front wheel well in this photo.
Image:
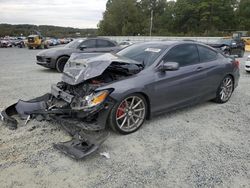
(60, 62)
(148, 116)
(232, 78)
(62, 56)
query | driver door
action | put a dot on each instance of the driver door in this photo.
(88, 45)
(183, 86)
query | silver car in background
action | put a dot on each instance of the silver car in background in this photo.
(56, 58)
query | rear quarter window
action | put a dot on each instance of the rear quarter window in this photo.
(206, 54)
(104, 43)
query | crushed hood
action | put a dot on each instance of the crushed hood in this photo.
(81, 67)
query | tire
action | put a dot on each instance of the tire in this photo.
(60, 63)
(227, 52)
(225, 90)
(241, 54)
(124, 119)
(30, 47)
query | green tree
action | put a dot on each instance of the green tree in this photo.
(145, 7)
(120, 18)
(180, 17)
(244, 15)
(205, 16)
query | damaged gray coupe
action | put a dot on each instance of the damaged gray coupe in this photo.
(121, 90)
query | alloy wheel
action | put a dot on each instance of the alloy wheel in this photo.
(226, 89)
(130, 114)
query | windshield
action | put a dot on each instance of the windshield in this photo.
(225, 41)
(74, 44)
(145, 53)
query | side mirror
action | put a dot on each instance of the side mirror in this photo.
(82, 47)
(169, 66)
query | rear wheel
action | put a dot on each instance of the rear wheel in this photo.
(227, 52)
(241, 54)
(128, 115)
(60, 63)
(225, 90)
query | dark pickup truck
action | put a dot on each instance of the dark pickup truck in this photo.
(230, 46)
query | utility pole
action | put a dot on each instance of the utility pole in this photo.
(151, 23)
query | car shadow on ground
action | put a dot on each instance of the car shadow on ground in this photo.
(48, 71)
(171, 114)
(180, 112)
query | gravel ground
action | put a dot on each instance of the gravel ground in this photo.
(207, 145)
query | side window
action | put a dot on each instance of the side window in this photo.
(104, 43)
(91, 43)
(184, 54)
(206, 54)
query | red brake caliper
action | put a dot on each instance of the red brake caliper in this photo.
(121, 110)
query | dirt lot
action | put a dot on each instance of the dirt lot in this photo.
(207, 145)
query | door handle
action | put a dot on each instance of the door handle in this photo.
(199, 68)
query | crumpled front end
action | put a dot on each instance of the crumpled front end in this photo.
(72, 108)
(77, 103)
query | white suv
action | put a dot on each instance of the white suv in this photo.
(247, 64)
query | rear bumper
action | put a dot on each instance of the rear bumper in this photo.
(247, 66)
(236, 78)
(34, 45)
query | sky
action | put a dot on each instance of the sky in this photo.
(69, 13)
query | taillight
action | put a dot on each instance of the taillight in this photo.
(237, 63)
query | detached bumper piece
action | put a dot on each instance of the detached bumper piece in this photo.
(82, 144)
(86, 139)
(24, 109)
(9, 121)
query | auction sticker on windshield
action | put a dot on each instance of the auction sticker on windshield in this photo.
(155, 50)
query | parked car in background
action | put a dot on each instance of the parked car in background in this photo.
(56, 58)
(18, 43)
(230, 46)
(64, 41)
(5, 43)
(125, 44)
(36, 41)
(247, 64)
(52, 42)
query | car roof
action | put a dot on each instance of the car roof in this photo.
(33, 35)
(172, 42)
(103, 38)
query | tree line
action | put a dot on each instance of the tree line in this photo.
(178, 18)
(45, 30)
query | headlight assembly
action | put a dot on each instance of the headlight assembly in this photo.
(95, 99)
(223, 48)
(89, 101)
